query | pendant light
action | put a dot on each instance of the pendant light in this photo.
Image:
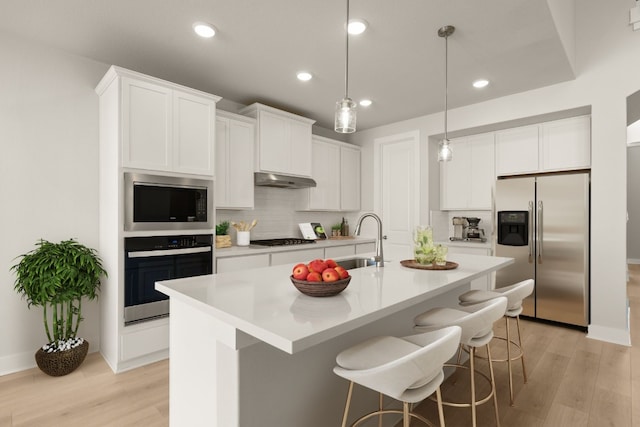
(444, 150)
(345, 119)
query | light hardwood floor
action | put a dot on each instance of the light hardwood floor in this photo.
(573, 381)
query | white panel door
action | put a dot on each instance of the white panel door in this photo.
(194, 119)
(146, 126)
(398, 181)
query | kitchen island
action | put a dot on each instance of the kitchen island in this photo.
(248, 349)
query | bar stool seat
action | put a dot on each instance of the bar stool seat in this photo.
(477, 331)
(408, 369)
(515, 294)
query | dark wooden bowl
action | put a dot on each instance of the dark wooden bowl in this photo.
(320, 289)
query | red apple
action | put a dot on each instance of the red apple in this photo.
(314, 276)
(331, 263)
(317, 265)
(300, 272)
(342, 272)
(330, 275)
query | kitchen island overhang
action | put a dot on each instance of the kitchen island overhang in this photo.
(227, 315)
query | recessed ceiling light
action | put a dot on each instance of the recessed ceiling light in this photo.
(204, 30)
(365, 102)
(480, 83)
(357, 26)
(304, 76)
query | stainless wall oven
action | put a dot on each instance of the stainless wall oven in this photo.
(151, 259)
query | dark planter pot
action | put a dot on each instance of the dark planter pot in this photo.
(62, 363)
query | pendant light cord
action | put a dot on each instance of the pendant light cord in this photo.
(446, 85)
(346, 69)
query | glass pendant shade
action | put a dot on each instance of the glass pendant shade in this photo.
(444, 151)
(345, 120)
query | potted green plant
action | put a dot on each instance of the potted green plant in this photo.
(56, 276)
(223, 239)
(335, 229)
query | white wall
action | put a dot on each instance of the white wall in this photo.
(49, 177)
(607, 64)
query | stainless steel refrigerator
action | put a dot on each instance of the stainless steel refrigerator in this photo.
(543, 222)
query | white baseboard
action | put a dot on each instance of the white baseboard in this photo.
(612, 335)
(633, 261)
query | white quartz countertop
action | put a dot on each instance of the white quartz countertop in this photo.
(234, 251)
(465, 244)
(264, 303)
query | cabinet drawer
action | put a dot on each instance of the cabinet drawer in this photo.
(225, 265)
(292, 257)
(338, 251)
(144, 341)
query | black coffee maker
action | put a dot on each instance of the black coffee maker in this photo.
(473, 231)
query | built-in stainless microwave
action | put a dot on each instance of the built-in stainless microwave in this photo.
(154, 202)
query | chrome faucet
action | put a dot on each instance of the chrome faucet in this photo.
(379, 259)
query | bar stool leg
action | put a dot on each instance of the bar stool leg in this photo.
(493, 386)
(380, 405)
(524, 371)
(440, 408)
(509, 360)
(406, 419)
(346, 406)
(472, 354)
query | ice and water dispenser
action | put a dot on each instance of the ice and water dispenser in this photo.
(513, 228)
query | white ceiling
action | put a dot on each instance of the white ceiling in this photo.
(261, 44)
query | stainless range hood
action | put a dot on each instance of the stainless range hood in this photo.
(265, 179)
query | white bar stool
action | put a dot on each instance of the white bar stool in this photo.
(408, 369)
(477, 331)
(515, 294)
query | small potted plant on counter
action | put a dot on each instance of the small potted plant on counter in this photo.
(335, 230)
(223, 239)
(57, 276)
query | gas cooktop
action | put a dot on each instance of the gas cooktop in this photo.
(281, 242)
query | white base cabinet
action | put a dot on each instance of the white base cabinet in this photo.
(235, 139)
(467, 181)
(546, 147)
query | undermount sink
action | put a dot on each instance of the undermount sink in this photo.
(351, 263)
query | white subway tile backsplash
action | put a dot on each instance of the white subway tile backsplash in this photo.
(275, 210)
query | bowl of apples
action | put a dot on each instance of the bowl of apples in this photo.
(320, 278)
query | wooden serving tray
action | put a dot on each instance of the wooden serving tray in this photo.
(411, 263)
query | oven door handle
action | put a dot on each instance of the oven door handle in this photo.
(168, 252)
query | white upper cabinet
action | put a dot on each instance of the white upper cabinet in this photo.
(349, 178)
(517, 150)
(335, 167)
(546, 147)
(235, 138)
(467, 181)
(164, 126)
(283, 143)
(194, 119)
(566, 144)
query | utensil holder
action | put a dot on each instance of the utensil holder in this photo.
(243, 238)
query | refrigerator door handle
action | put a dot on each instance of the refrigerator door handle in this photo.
(530, 233)
(540, 210)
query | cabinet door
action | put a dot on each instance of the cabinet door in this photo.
(566, 144)
(221, 197)
(292, 257)
(240, 167)
(349, 179)
(193, 134)
(483, 175)
(146, 125)
(299, 148)
(325, 170)
(455, 177)
(274, 150)
(517, 151)
(225, 265)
